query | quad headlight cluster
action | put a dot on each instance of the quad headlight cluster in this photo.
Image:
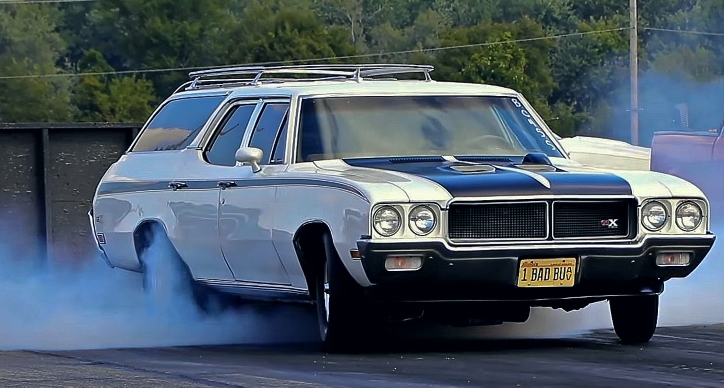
(391, 220)
(688, 215)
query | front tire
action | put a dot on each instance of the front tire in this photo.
(342, 311)
(635, 318)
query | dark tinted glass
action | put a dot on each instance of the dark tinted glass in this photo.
(228, 140)
(267, 127)
(281, 144)
(177, 124)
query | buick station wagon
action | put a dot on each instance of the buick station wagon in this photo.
(384, 197)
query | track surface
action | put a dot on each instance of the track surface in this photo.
(679, 357)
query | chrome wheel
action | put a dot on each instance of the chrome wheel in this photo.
(326, 292)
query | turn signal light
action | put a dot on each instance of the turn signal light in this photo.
(403, 263)
(673, 259)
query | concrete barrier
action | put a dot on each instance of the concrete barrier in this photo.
(48, 174)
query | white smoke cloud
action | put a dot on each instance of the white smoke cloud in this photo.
(89, 306)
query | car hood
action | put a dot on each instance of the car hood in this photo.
(607, 153)
(438, 179)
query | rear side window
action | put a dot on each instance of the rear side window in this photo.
(266, 130)
(176, 125)
(228, 139)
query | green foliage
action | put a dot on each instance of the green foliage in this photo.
(279, 36)
(166, 34)
(576, 81)
(697, 65)
(29, 45)
(110, 98)
(522, 66)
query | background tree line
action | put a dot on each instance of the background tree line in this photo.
(78, 61)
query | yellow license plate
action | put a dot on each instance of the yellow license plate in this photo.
(547, 272)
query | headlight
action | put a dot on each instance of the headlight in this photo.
(422, 220)
(653, 216)
(387, 221)
(688, 216)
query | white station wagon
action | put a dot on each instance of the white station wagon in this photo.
(381, 200)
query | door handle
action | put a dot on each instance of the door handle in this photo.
(177, 185)
(226, 184)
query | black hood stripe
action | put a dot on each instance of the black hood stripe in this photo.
(505, 180)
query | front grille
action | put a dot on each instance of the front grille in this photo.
(591, 219)
(498, 221)
(533, 220)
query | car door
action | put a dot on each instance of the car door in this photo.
(246, 215)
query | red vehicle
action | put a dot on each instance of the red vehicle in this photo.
(697, 156)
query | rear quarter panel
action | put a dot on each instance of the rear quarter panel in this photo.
(145, 196)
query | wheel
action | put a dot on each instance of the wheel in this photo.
(167, 278)
(342, 311)
(635, 317)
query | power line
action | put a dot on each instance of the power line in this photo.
(432, 49)
(692, 32)
(43, 1)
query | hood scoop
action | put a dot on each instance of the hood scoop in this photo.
(538, 168)
(473, 168)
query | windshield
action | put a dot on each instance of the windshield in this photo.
(373, 126)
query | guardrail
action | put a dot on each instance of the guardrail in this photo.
(48, 174)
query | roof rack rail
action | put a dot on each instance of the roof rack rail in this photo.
(357, 72)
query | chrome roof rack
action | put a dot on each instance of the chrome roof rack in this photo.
(210, 78)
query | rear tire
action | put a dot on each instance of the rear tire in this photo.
(635, 318)
(342, 311)
(169, 277)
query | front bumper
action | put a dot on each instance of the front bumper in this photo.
(448, 274)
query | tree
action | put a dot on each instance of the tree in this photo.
(268, 36)
(520, 65)
(170, 34)
(36, 89)
(110, 97)
(587, 68)
(356, 15)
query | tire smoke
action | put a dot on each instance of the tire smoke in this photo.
(57, 306)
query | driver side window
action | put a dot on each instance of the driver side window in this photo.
(228, 139)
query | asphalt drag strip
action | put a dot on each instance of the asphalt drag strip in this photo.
(677, 357)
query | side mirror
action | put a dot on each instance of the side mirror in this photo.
(251, 156)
